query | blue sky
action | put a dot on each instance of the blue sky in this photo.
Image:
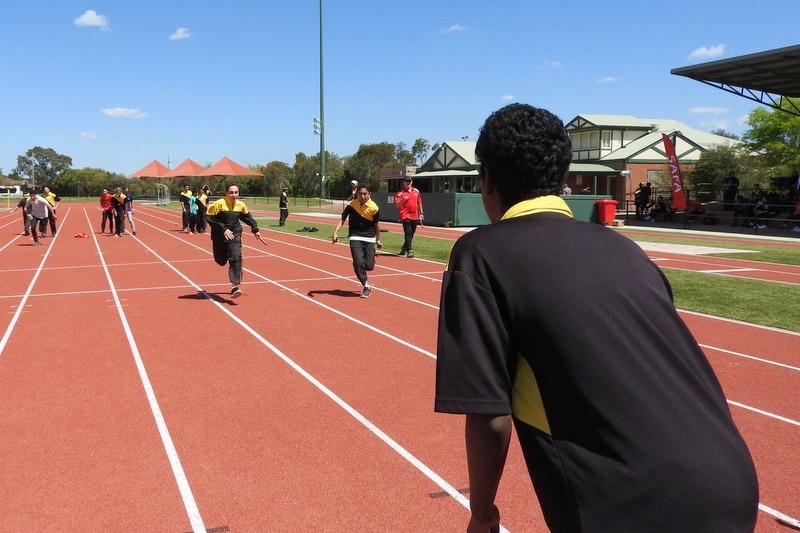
(115, 84)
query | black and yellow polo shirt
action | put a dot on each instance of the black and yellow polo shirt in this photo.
(362, 219)
(569, 327)
(223, 215)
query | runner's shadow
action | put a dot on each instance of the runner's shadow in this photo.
(204, 295)
(336, 292)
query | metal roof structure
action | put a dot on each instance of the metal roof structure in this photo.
(769, 78)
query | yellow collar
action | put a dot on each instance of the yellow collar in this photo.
(542, 204)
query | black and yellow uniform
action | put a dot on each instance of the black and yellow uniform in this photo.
(363, 220)
(53, 199)
(118, 203)
(184, 198)
(221, 216)
(202, 202)
(283, 207)
(618, 435)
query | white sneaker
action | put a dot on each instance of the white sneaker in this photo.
(762, 226)
(366, 291)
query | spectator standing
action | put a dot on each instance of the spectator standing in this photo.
(185, 208)
(225, 217)
(353, 191)
(617, 435)
(40, 212)
(25, 214)
(108, 212)
(730, 188)
(193, 211)
(118, 204)
(129, 209)
(408, 202)
(53, 199)
(283, 206)
(202, 206)
(363, 216)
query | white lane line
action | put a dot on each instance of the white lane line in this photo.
(728, 270)
(752, 357)
(189, 503)
(788, 520)
(27, 294)
(765, 413)
(375, 430)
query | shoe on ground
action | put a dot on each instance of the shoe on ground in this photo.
(410, 255)
(235, 292)
(402, 251)
(366, 291)
(762, 226)
(37, 244)
(134, 233)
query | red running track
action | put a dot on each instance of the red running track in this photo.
(134, 395)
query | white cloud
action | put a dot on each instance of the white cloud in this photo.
(92, 18)
(607, 79)
(552, 63)
(88, 135)
(508, 97)
(180, 34)
(709, 110)
(453, 28)
(707, 52)
(715, 124)
(121, 112)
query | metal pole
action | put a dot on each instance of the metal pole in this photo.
(321, 111)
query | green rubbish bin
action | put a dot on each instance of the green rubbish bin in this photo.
(606, 211)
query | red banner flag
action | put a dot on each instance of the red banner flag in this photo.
(678, 198)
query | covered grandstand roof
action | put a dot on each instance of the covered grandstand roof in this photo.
(764, 77)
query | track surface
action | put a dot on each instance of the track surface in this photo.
(136, 396)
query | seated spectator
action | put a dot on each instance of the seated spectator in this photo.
(795, 216)
(660, 207)
(695, 208)
(758, 213)
(741, 208)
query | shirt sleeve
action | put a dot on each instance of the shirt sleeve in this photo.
(473, 373)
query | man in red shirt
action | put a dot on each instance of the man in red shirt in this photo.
(408, 201)
(108, 212)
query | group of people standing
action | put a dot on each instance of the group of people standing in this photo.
(116, 208)
(193, 209)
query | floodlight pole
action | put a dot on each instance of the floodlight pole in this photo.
(321, 111)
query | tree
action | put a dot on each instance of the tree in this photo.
(364, 166)
(420, 150)
(89, 182)
(277, 175)
(723, 133)
(775, 135)
(42, 165)
(402, 156)
(715, 164)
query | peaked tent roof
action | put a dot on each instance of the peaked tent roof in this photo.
(227, 167)
(154, 169)
(186, 169)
